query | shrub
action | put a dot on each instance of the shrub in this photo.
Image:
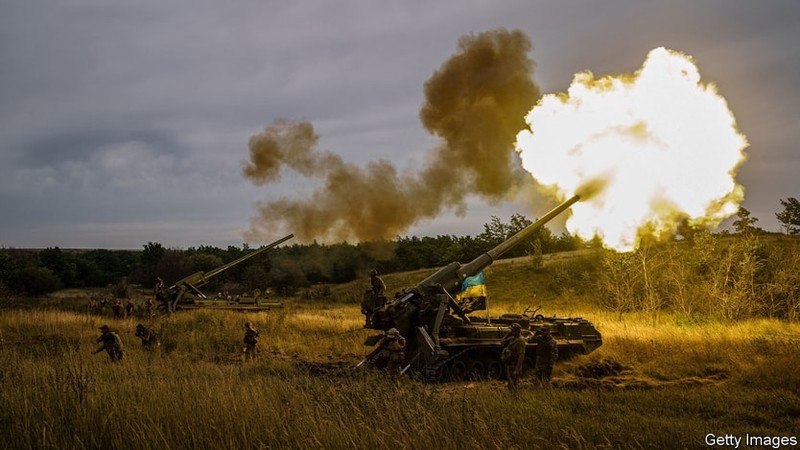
(34, 281)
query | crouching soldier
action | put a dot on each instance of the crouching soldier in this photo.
(148, 336)
(513, 354)
(393, 350)
(250, 340)
(111, 343)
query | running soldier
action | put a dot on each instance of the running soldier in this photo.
(250, 341)
(148, 336)
(513, 354)
(111, 343)
(546, 354)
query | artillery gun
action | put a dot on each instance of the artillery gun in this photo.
(186, 293)
(443, 342)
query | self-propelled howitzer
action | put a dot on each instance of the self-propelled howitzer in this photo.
(171, 298)
(443, 341)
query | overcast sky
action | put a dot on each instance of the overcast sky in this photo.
(128, 122)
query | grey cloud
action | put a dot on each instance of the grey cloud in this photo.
(140, 112)
(82, 145)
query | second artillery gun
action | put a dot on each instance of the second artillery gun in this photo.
(443, 342)
(186, 293)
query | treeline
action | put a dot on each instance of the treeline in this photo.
(282, 270)
(748, 273)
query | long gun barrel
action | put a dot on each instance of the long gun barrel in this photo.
(241, 259)
(451, 276)
(193, 282)
(436, 327)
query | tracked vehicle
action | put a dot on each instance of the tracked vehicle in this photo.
(444, 342)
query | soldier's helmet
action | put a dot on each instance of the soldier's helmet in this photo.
(392, 333)
(373, 273)
(515, 328)
(104, 328)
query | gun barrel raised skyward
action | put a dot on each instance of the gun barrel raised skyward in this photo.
(443, 341)
(203, 277)
(451, 276)
(192, 283)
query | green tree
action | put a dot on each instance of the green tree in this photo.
(495, 232)
(60, 263)
(34, 281)
(745, 222)
(6, 264)
(203, 262)
(790, 216)
(255, 276)
(173, 266)
(149, 259)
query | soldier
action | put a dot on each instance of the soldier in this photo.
(159, 285)
(117, 308)
(378, 286)
(148, 336)
(129, 308)
(160, 291)
(374, 298)
(111, 343)
(393, 348)
(150, 306)
(513, 354)
(546, 354)
(250, 340)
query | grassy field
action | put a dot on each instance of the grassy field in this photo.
(669, 381)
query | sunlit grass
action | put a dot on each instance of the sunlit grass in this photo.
(682, 378)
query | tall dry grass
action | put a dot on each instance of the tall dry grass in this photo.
(196, 392)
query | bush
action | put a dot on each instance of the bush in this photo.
(34, 281)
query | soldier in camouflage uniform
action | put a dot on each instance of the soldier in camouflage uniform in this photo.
(160, 291)
(150, 306)
(374, 298)
(129, 308)
(513, 354)
(546, 354)
(118, 310)
(148, 336)
(393, 347)
(378, 286)
(250, 340)
(111, 343)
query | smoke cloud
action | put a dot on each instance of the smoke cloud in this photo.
(475, 102)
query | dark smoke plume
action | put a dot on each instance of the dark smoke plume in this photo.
(476, 102)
